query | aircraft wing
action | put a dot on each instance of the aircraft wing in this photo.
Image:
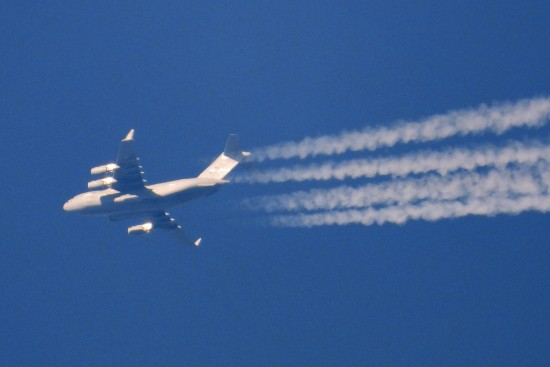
(128, 176)
(162, 220)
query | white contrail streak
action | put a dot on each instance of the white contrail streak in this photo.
(524, 180)
(430, 211)
(496, 119)
(414, 163)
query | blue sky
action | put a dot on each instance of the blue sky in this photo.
(78, 291)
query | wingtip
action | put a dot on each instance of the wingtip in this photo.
(130, 135)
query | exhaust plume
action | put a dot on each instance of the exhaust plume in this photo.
(421, 162)
(520, 181)
(430, 211)
(497, 119)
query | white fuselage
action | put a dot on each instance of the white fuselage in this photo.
(121, 205)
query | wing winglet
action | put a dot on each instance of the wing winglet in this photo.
(179, 235)
(163, 220)
(129, 136)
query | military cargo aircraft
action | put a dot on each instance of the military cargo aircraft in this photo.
(122, 194)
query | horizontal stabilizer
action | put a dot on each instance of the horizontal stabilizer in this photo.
(233, 150)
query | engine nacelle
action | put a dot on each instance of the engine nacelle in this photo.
(107, 168)
(140, 229)
(101, 183)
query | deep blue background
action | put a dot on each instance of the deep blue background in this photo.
(76, 76)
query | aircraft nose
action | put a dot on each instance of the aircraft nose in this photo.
(67, 206)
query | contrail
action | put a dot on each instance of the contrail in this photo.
(441, 162)
(496, 119)
(524, 180)
(430, 211)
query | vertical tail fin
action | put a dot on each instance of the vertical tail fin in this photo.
(227, 161)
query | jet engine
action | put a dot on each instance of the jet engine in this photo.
(107, 168)
(101, 183)
(140, 229)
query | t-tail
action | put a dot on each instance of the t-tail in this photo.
(227, 161)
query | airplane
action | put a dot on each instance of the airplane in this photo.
(122, 194)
